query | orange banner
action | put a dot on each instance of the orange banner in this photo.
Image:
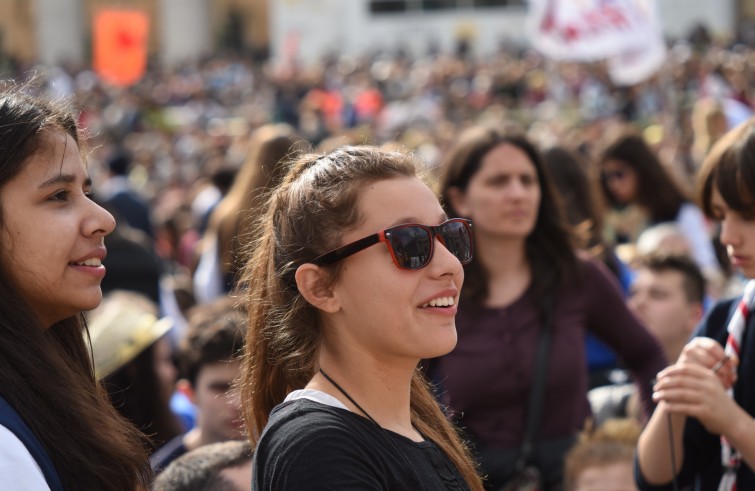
(120, 45)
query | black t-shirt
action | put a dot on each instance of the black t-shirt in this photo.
(307, 445)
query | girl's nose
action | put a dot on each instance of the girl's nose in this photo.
(443, 259)
(100, 221)
(729, 234)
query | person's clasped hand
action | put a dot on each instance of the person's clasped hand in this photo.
(691, 387)
(708, 353)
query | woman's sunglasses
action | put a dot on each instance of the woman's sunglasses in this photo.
(617, 175)
(412, 245)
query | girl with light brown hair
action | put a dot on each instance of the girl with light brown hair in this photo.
(354, 278)
(231, 220)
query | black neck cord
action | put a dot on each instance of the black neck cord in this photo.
(383, 431)
(346, 394)
(675, 484)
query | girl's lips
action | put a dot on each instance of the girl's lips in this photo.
(518, 213)
(737, 260)
(97, 271)
(447, 311)
(448, 292)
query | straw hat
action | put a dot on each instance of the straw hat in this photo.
(124, 325)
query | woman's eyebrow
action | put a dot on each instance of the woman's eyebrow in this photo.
(404, 221)
(63, 179)
(411, 219)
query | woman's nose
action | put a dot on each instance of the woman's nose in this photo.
(100, 221)
(516, 188)
(729, 234)
(444, 258)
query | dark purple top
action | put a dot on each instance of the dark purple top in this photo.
(486, 379)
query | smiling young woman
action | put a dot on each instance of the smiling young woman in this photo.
(57, 427)
(354, 279)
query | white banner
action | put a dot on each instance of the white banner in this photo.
(637, 64)
(626, 32)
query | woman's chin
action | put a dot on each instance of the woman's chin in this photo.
(91, 302)
(442, 345)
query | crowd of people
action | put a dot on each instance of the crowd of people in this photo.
(393, 272)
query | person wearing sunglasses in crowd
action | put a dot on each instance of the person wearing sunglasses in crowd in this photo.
(58, 429)
(706, 401)
(526, 269)
(633, 177)
(354, 279)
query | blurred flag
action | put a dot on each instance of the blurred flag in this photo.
(626, 32)
(120, 45)
(637, 64)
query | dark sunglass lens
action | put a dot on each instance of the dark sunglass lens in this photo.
(457, 240)
(411, 246)
(616, 175)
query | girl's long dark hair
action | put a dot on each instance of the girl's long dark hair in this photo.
(657, 191)
(549, 247)
(136, 392)
(47, 373)
(582, 201)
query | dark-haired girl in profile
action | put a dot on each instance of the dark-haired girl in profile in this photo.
(58, 430)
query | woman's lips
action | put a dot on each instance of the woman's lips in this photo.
(738, 260)
(96, 271)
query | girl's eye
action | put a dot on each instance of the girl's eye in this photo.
(498, 181)
(60, 196)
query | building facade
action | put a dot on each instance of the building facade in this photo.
(55, 31)
(58, 31)
(310, 28)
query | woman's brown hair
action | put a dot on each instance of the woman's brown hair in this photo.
(657, 191)
(262, 171)
(730, 169)
(47, 373)
(307, 214)
(549, 247)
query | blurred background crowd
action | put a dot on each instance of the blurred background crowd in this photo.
(183, 157)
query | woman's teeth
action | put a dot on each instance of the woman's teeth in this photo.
(440, 302)
(90, 262)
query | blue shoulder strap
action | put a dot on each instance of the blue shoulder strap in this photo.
(11, 420)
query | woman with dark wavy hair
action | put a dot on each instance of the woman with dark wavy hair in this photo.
(631, 174)
(526, 269)
(58, 429)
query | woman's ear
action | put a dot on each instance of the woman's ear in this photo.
(313, 283)
(457, 199)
